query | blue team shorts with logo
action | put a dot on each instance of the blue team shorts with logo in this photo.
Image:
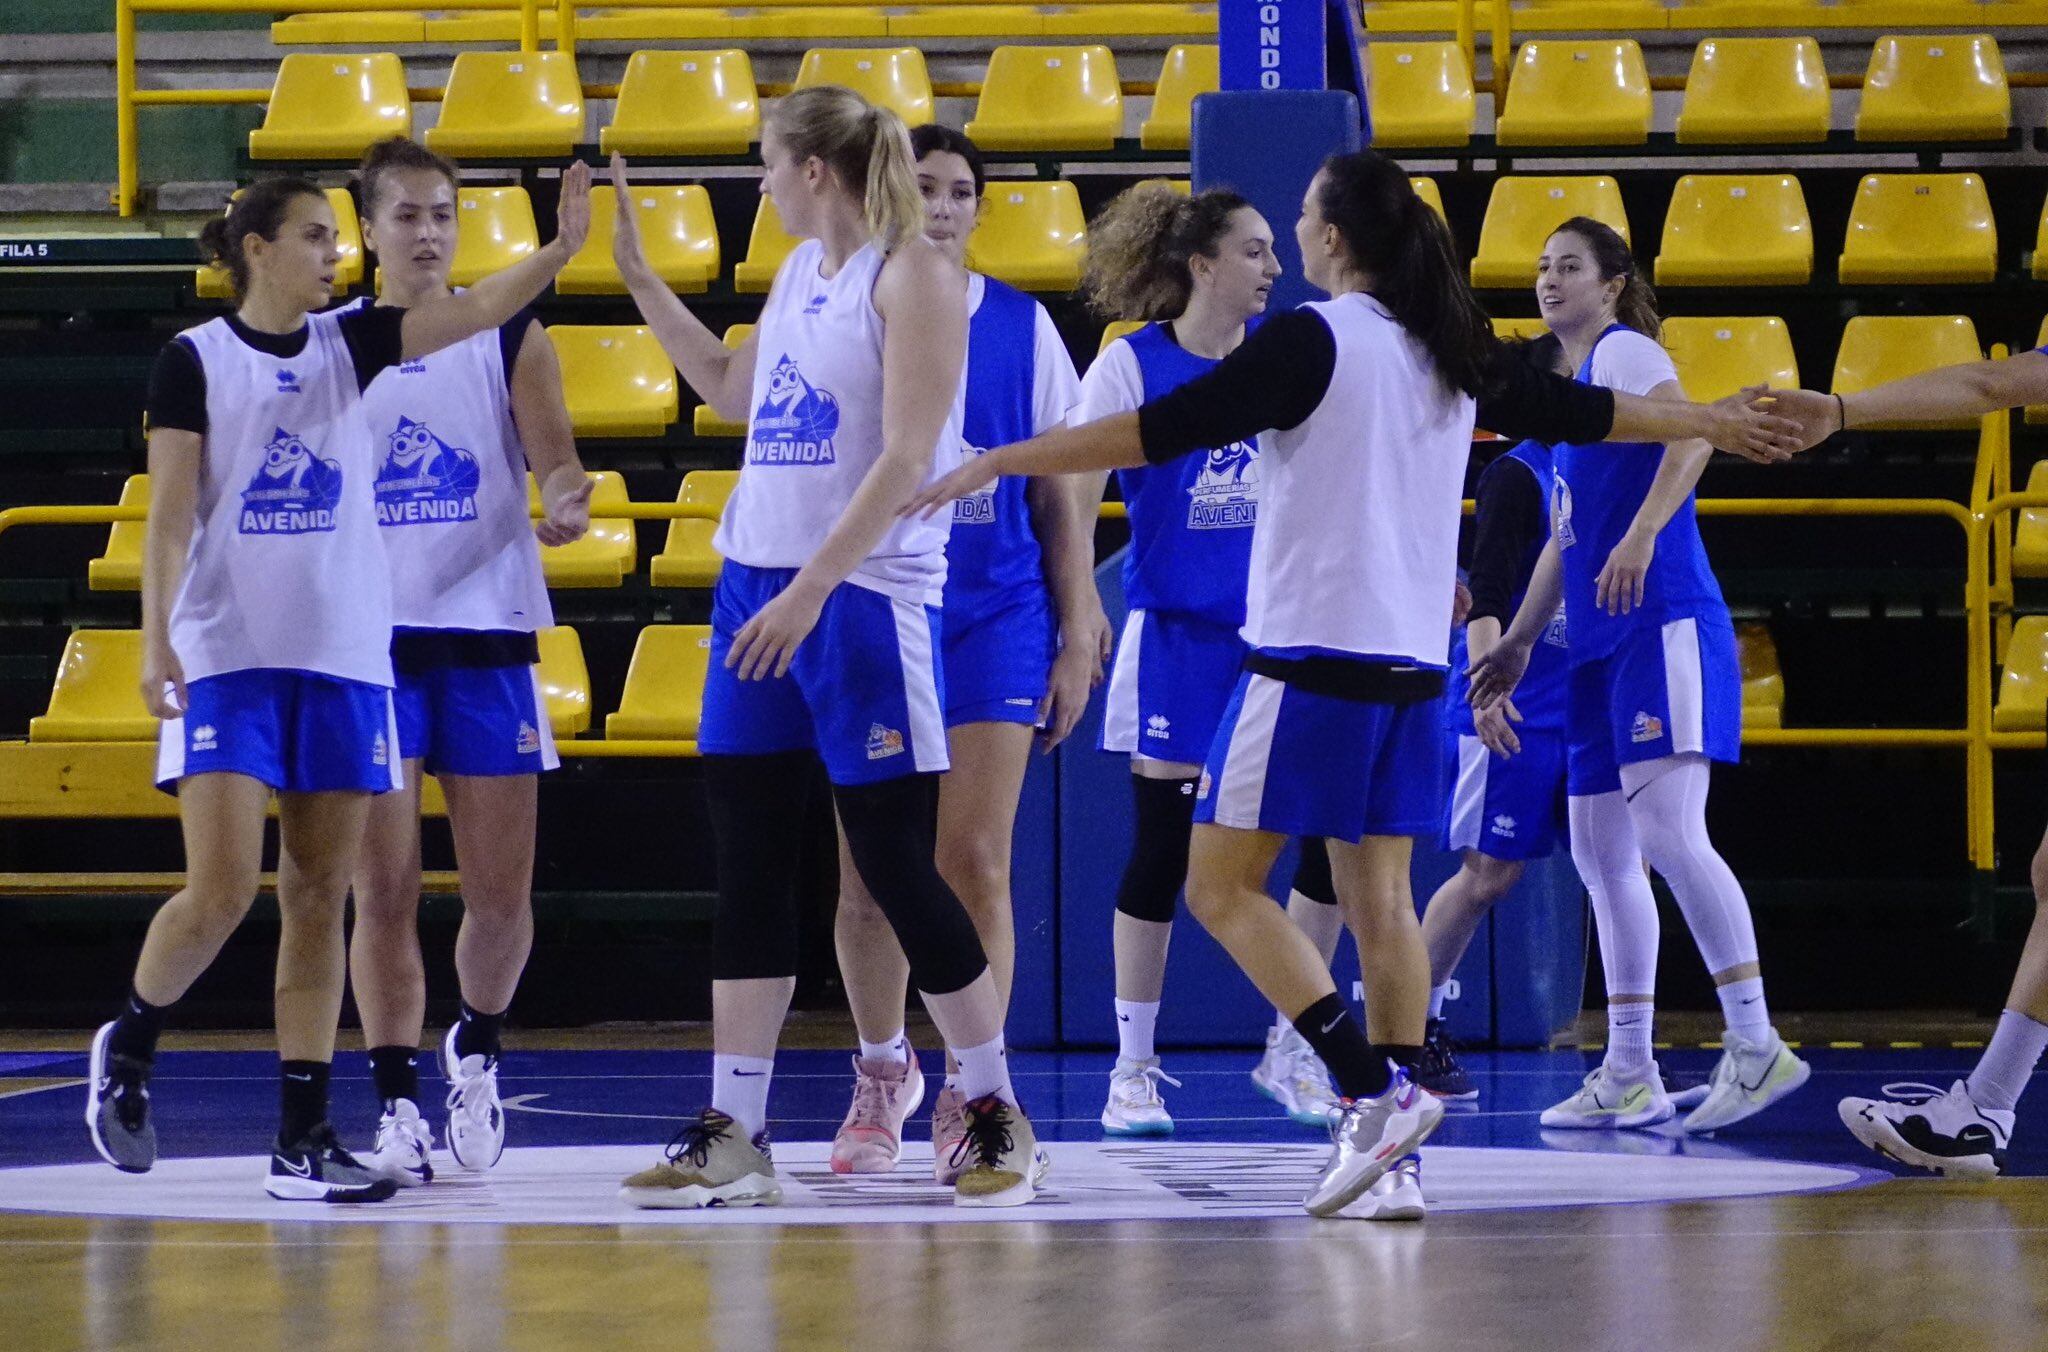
(864, 690)
(297, 731)
(1169, 684)
(999, 666)
(1666, 689)
(475, 720)
(1302, 764)
(1505, 807)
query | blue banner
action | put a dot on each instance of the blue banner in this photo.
(1272, 44)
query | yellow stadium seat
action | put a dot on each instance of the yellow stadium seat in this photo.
(1115, 330)
(604, 556)
(890, 77)
(1185, 187)
(1189, 70)
(1736, 230)
(1920, 228)
(564, 680)
(1426, 189)
(510, 104)
(380, 29)
(664, 694)
(685, 103)
(1747, 91)
(1763, 681)
(1129, 21)
(705, 421)
(1935, 87)
(767, 246)
(2023, 686)
(1718, 356)
(2030, 538)
(1519, 328)
(494, 229)
(1565, 92)
(687, 558)
(812, 23)
(1522, 212)
(120, 567)
(616, 380)
(1420, 94)
(1878, 348)
(968, 21)
(1032, 235)
(212, 282)
(98, 695)
(1049, 98)
(677, 233)
(332, 107)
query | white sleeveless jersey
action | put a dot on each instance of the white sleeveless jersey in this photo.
(285, 569)
(1356, 548)
(815, 431)
(450, 485)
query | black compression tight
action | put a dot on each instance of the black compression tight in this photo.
(890, 832)
(1158, 866)
(753, 800)
(1312, 875)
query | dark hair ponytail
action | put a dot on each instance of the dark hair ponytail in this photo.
(393, 154)
(259, 210)
(1140, 246)
(932, 137)
(1404, 246)
(1636, 307)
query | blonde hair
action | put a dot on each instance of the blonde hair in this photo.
(866, 146)
(1140, 246)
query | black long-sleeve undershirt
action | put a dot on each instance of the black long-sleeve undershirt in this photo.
(1511, 520)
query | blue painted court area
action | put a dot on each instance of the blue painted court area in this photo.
(224, 1103)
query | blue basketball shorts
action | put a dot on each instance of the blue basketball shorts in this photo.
(999, 666)
(1505, 807)
(1302, 764)
(297, 731)
(1169, 684)
(864, 690)
(475, 720)
(1665, 690)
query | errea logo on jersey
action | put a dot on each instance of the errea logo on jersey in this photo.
(883, 742)
(205, 737)
(288, 383)
(416, 367)
(1158, 725)
(1504, 825)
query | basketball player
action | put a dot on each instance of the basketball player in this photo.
(267, 642)
(454, 435)
(1023, 645)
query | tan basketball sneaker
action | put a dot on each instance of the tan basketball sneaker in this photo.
(870, 1140)
(1005, 1164)
(707, 1164)
(949, 1136)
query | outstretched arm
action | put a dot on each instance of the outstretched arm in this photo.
(1967, 390)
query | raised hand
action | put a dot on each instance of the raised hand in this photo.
(627, 252)
(572, 211)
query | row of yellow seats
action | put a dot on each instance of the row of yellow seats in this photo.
(1935, 87)
(97, 695)
(1607, 16)
(530, 104)
(1754, 230)
(741, 20)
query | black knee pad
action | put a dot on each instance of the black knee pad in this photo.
(752, 800)
(1312, 875)
(890, 830)
(1158, 866)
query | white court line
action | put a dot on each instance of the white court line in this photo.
(38, 1088)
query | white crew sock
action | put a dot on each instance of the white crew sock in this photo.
(1437, 995)
(1742, 1005)
(1628, 1038)
(985, 1070)
(2008, 1063)
(895, 1049)
(739, 1088)
(1135, 1022)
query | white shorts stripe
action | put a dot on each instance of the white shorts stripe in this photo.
(392, 758)
(170, 750)
(1120, 705)
(1241, 793)
(550, 759)
(920, 685)
(1685, 686)
(1468, 797)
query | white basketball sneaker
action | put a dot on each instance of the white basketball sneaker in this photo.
(1293, 1076)
(1749, 1078)
(1134, 1107)
(1920, 1125)
(404, 1146)
(476, 1117)
(1605, 1100)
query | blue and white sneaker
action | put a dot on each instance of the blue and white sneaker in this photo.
(476, 1117)
(404, 1147)
(117, 1107)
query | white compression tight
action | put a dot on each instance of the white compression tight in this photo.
(1667, 802)
(1610, 863)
